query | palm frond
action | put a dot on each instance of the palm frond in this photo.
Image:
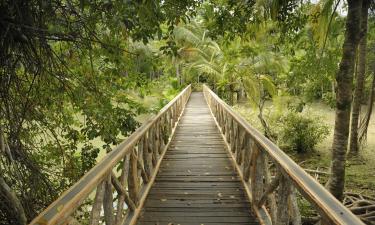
(268, 84)
(186, 35)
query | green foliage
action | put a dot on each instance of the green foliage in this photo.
(330, 99)
(312, 67)
(228, 18)
(300, 132)
(168, 93)
(89, 154)
(75, 76)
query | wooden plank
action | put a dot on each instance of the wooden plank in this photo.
(199, 214)
(195, 223)
(164, 210)
(184, 197)
(200, 220)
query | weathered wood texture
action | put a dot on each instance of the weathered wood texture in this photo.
(197, 183)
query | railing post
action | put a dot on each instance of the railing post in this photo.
(155, 142)
(164, 129)
(271, 199)
(257, 165)
(233, 136)
(108, 202)
(121, 198)
(175, 115)
(141, 163)
(146, 155)
(157, 139)
(133, 180)
(212, 106)
(97, 206)
(228, 130)
(282, 201)
(293, 207)
(171, 123)
(165, 132)
(151, 145)
(240, 145)
(160, 136)
(223, 122)
(247, 157)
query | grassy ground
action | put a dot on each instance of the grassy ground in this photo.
(360, 173)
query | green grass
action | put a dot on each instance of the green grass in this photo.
(360, 172)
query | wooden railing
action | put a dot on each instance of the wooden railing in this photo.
(136, 160)
(273, 200)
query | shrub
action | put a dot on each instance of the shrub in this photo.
(301, 132)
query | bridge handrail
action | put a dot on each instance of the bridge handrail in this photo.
(139, 158)
(250, 150)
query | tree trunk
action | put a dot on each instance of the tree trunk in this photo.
(366, 119)
(15, 206)
(344, 78)
(356, 110)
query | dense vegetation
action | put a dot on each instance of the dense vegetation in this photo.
(77, 77)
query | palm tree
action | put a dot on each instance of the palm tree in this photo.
(196, 51)
(344, 78)
(256, 72)
(189, 40)
(360, 80)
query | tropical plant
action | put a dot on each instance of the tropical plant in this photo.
(300, 132)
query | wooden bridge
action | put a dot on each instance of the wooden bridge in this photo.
(195, 162)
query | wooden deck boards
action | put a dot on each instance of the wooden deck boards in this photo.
(196, 183)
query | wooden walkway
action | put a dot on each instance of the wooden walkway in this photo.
(196, 183)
